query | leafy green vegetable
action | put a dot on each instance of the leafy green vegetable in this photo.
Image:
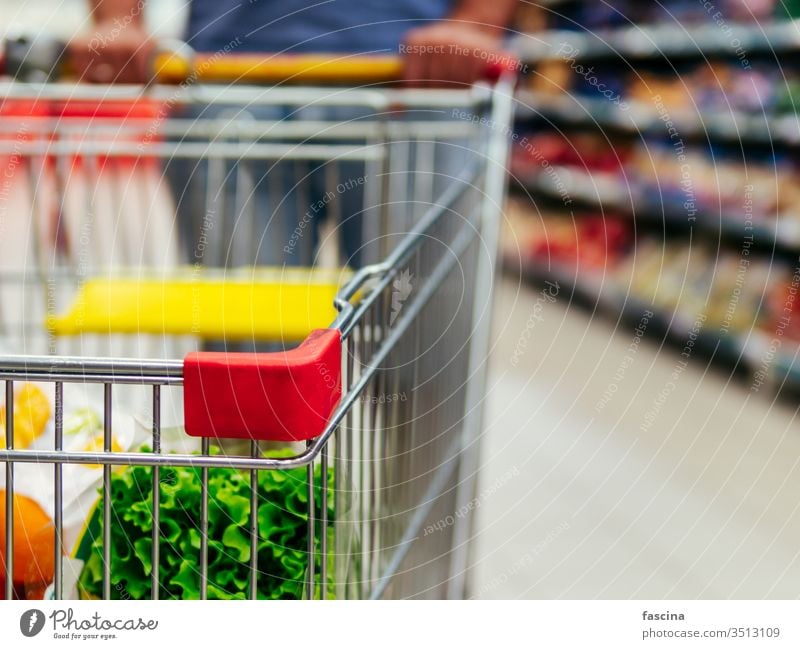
(282, 534)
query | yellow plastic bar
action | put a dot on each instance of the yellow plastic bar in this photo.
(256, 304)
(281, 68)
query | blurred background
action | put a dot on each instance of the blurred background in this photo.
(641, 439)
(650, 407)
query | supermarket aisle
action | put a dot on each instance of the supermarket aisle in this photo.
(581, 503)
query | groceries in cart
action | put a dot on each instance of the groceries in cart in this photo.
(281, 519)
(281, 514)
(32, 497)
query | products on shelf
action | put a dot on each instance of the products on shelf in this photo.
(733, 292)
(662, 115)
(723, 286)
(654, 178)
(586, 244)
(533, 153)
(685, 92)
(601, 15)
(711, 85)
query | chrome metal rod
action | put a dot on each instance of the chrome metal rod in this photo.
(155, 558)
(151, 459)
(98, 370)
(249, 95)
(58, 581)
(106, 132)
(311, 540)
(495, 185)
(204, 524)
(9, 540)
(107, 444)
(201, 150)
(117, 379)
(254, 452)
(323, 540)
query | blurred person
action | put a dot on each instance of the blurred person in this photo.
(442, 42)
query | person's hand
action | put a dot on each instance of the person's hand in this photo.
(449, 52)
(113, 53)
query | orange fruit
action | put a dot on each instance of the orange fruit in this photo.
(34, 549)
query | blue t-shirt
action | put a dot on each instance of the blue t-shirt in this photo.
(307, 26)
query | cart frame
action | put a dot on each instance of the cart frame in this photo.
(370, 347)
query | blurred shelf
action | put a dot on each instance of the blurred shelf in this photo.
(736, 350)
(663, 40)
(603, 190)
(575, 110)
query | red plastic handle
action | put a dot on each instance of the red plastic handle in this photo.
(284, 396)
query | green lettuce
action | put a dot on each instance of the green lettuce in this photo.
(282, 534)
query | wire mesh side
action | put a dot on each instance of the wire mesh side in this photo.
(410, 344)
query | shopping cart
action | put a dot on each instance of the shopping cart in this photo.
(380, 406)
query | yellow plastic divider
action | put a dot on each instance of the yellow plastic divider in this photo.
(248, 304)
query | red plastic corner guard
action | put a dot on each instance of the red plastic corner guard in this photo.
(283, 397)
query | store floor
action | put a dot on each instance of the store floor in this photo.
(578, 501)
